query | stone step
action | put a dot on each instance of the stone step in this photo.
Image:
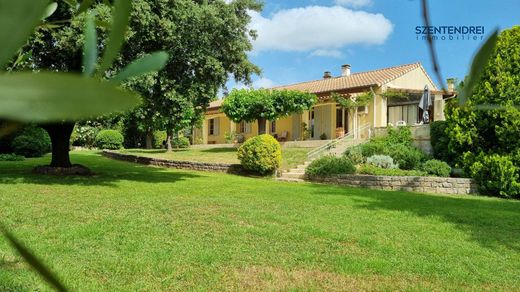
(297, 170)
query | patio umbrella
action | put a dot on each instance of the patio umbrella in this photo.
(425, 104)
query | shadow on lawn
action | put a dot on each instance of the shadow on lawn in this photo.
(106, 172)
(490, 222)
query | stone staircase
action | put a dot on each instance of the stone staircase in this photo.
(297, 174)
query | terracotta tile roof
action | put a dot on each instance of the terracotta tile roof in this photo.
(215, 104)
(355, 80)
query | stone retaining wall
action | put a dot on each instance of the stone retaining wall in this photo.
(191, 165)
(439, 185)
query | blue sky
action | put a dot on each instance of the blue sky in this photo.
(300, 39)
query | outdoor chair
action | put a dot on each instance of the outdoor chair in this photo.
(283, 137)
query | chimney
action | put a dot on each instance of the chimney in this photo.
(451, 84)
(327, 75)
(345, 70)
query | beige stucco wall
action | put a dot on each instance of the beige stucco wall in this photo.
(438, 108)
(415, 79)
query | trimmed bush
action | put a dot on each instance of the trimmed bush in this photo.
(261, 154)
(330, 165)
(355, 155)
(407, 157)
(11, 157)
(374, 170)
(496, 175)
(109, 139)
(382, 161)
(436, 167)
(158, 138)
(32, 142)
(180, 142)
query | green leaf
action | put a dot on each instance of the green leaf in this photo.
(17, 21)
(121, 18)
(51, 8)
(90, 50)
(72, 3)
(46, 97)
(85, 5)
(147, 64)
(478, 64)
(33, 261)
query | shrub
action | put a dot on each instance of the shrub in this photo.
(373, 147)
(355, 155)
(436, 167)
(399, 135)
(180, 142)
(407, 157)
(382, 161)
(330, 165)
(496, 175)
(440, 141)
(32, 142)
(261, 154)
(84, 136)
(109, 139)
(374, 170)
(158, 138)
(11, 157)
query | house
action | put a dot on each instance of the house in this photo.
(396, 101)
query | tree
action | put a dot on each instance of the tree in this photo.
(262, 104)
(472, 129)
(488, 124)
(207, 42)
(59, 44)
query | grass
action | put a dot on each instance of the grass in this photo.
(133, 227)
(291, 156)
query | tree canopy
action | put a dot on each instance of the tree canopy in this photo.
(207, 42)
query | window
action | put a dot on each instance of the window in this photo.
(244, 127)
(407, 113)
(211, 126)
(273, 127)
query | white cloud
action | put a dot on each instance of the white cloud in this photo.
(327, 53)
(263, 83)
(318, 28)
(354, 3)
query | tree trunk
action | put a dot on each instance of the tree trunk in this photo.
(60, 139)
(169, 134)
(149, 139)
(261, 126)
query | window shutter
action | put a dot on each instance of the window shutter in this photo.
(217, 126)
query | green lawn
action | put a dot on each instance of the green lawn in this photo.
(291, 156)
(132, 227)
